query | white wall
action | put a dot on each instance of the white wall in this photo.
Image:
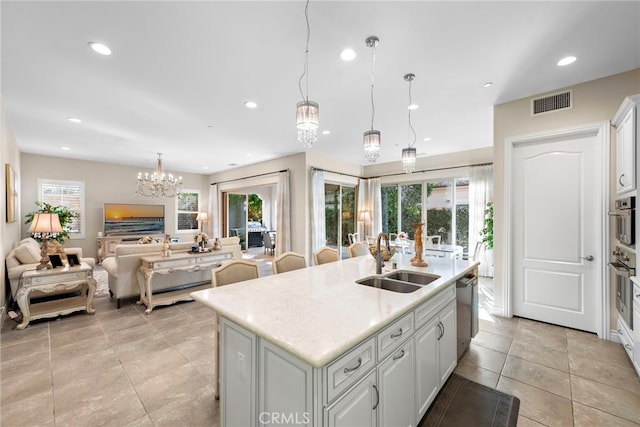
(9, 231)
(594, 101)
(104, 183)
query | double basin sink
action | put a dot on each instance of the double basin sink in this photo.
(403, 281)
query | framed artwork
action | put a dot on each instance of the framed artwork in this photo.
(73, 259)
(12, 193)
(56, 261)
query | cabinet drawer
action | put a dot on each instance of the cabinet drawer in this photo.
(391, 337)
(625, 338)
(61, 278)
(430, 308)
(349, 368)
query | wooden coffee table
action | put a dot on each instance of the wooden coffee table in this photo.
(56, 280)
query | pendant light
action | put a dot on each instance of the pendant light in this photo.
(307, 112)
(409, 153)
(371, 138)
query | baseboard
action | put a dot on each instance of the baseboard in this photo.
(613, 336)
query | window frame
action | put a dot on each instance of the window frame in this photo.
(41, 182)
(179, 211)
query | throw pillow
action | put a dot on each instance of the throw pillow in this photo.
(27, 254)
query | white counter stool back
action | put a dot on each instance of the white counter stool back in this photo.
(288, 261)
(325, 255)
(358, 249)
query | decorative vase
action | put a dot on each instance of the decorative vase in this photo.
(217, 245)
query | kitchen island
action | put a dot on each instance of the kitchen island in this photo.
(313, 347)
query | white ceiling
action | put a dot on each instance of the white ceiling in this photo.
(181, 71)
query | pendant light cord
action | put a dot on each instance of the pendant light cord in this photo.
(373, 64)
(305, 71)
(410, 125)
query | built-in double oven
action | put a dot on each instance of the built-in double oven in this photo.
(623, 261)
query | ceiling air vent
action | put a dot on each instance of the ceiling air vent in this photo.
(555, 102)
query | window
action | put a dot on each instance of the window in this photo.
(443, 205)
(339, 214)
(69, 194)
(188, 207)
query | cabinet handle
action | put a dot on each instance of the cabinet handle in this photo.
(399, 356)
(628, 347)
(441, 329)
(377, 397)
(355, 368)
(621, 181)
(397, 334)
(619, 332)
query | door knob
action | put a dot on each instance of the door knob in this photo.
(588, 257)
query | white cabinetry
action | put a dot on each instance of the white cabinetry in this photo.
(636, 327)
(396, 387)
(435, 356)
(626, 123)
(390, 378)
(238, 352)
(358, 407)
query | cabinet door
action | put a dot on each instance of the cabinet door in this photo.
(237, 375)
(396, 386)
(357, 407)
(427, 373)
(285, 388)
(447, 342)
(625, 153)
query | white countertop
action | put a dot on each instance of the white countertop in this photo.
(320, 312)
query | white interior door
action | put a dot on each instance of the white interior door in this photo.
(557, 230)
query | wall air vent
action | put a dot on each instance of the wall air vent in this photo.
(547, 104)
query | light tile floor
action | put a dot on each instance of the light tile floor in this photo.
(125, 368)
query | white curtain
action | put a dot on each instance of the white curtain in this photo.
(369, 200)
(318, 228)
(480, 193)
(283, 214)
(214, 212)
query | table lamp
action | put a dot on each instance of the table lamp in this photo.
(202, 217)
(44, 226)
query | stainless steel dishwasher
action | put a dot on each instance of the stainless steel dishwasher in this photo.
(467, 310)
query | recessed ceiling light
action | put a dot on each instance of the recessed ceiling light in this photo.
(427, 139)
(487, 84)
(65, 148)
(100, 48)
(326, 132)
(413, 107)
(348, 54)
(74, 120)
(250, 104)
(566, 61)
(205, 167)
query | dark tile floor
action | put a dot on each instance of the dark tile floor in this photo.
(125, 368)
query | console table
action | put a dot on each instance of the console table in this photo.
(185, 261)
(106, 246)
(79, 277)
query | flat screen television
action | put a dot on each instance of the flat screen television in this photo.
(133, 219)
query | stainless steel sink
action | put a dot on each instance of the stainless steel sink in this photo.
(413, 277)
(388, 284)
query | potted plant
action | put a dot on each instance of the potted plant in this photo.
(487, 237)
(65, 216)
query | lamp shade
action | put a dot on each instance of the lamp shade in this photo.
(365, 216)
(409, 159)
(202, 216)
(45, 223)
(371, 145)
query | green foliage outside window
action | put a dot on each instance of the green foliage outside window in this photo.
(487, 231)
(255, 208)
(65, 216)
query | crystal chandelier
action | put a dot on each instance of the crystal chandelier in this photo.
(159, 183)
(409, 153)
(371, 138)
(307, 112)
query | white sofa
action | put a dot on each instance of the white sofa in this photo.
(123, 267)
(26, 256)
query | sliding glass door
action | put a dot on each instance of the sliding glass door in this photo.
(237, 217)
(340, 215)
